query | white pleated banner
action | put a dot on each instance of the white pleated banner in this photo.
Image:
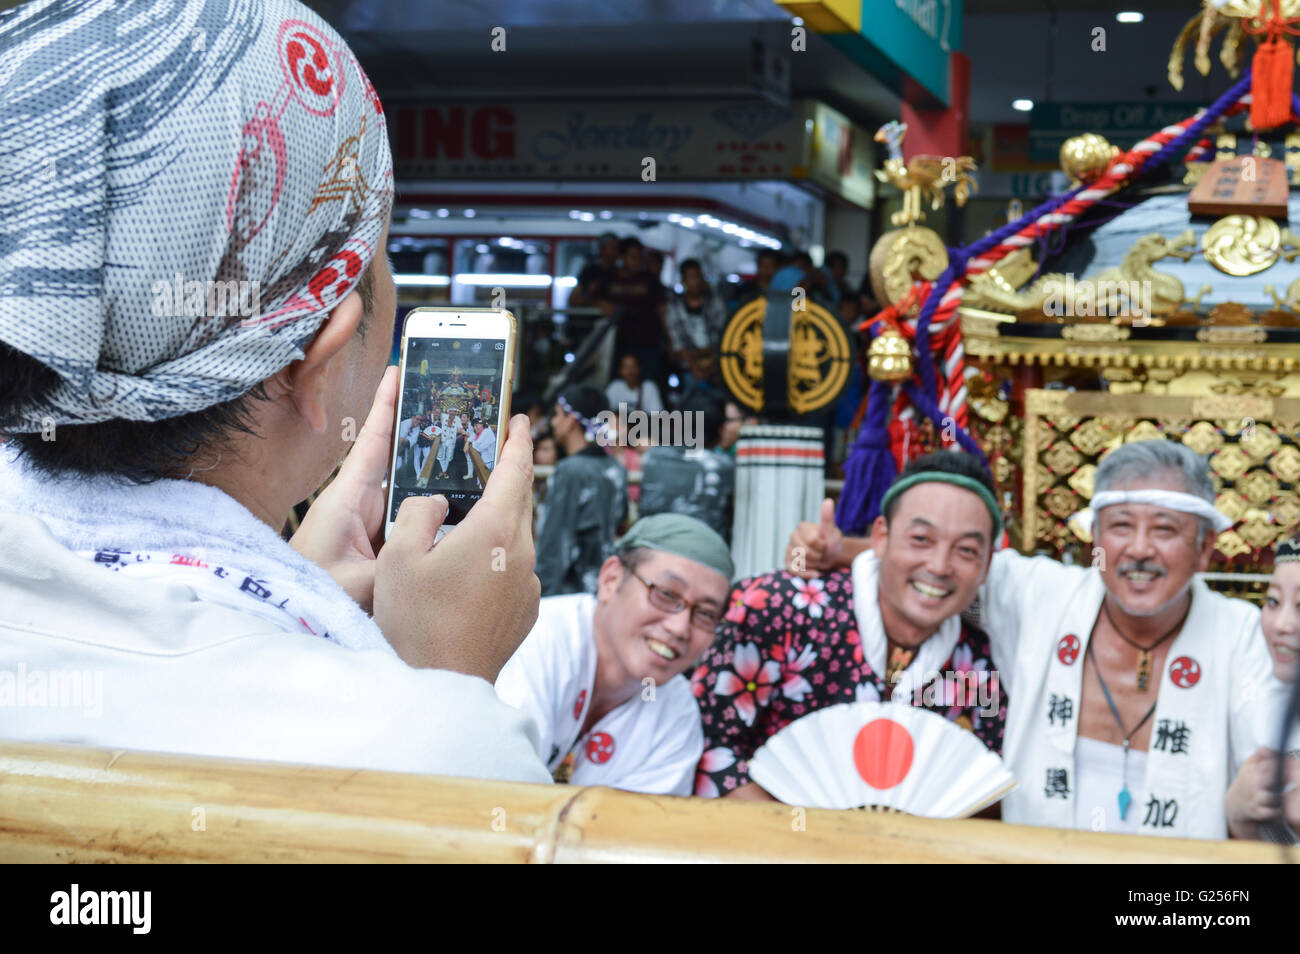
(780, 481)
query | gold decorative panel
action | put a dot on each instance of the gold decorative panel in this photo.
(1232, 504)
(1286, 464)
(1062, 459)
(1230, 463)
(1043, 431)
(1252, 445)
(1259, 487)
(1203, 437)
(1259, 442)
(1062, 502)
(1230, 544)
(1142, 431)
(1286, 513)
(1063, 422)
(1092, 436)
(1081, 480)
(1258, 530)
(1147, 358)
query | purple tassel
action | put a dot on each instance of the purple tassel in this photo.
(869, 470)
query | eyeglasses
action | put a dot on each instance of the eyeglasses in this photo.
(702, 618)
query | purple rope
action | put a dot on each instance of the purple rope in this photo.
(869, 469)
(1193, 132)
(958, 258)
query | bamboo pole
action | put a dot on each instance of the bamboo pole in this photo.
(64, 803)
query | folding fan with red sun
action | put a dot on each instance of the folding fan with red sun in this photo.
(882, 755)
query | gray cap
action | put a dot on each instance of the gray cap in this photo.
(683, 536)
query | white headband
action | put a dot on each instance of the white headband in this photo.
(1169, 499)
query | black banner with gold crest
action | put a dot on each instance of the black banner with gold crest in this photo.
(785, 361)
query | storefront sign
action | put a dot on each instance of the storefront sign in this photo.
(740, 140)
(737, 140)
(1124, 124)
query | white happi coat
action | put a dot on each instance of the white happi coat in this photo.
(1216, 685)
(644, 745)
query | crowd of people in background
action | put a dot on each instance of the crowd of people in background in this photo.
(590, 497)
(665, 359)
(674, 333)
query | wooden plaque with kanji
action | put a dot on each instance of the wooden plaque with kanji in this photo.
(1242, 185)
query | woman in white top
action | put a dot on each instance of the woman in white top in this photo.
(1251, 800)
(629, 389)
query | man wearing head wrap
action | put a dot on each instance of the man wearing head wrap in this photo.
(586, 496)
(1137, 690)
(601, 674)
(195, 312)
(888, 630)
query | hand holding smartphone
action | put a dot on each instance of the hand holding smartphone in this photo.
(455, 381)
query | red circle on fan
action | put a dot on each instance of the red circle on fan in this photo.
(1067, 650)
(882, 753)
(1185, 672)
(600, 748)
(581, 701)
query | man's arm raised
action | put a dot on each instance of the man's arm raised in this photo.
(817, 548)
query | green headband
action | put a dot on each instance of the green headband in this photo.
(943, 477)
(681, 535)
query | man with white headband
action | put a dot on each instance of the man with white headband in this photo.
(1136, 690)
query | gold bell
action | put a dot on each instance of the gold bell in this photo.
(889, 358)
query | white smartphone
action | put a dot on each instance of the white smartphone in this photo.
(456, 377)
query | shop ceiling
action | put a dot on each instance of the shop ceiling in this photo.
(1042, 50)
(615, 49)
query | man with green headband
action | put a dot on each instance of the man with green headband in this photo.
(887, 628)
(601, 674)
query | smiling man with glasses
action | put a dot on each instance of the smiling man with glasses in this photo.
(602, 675)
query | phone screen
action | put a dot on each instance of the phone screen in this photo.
(447, 421)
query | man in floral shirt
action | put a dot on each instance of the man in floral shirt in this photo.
(888, 627)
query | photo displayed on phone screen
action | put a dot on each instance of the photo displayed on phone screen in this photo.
(446, 438)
